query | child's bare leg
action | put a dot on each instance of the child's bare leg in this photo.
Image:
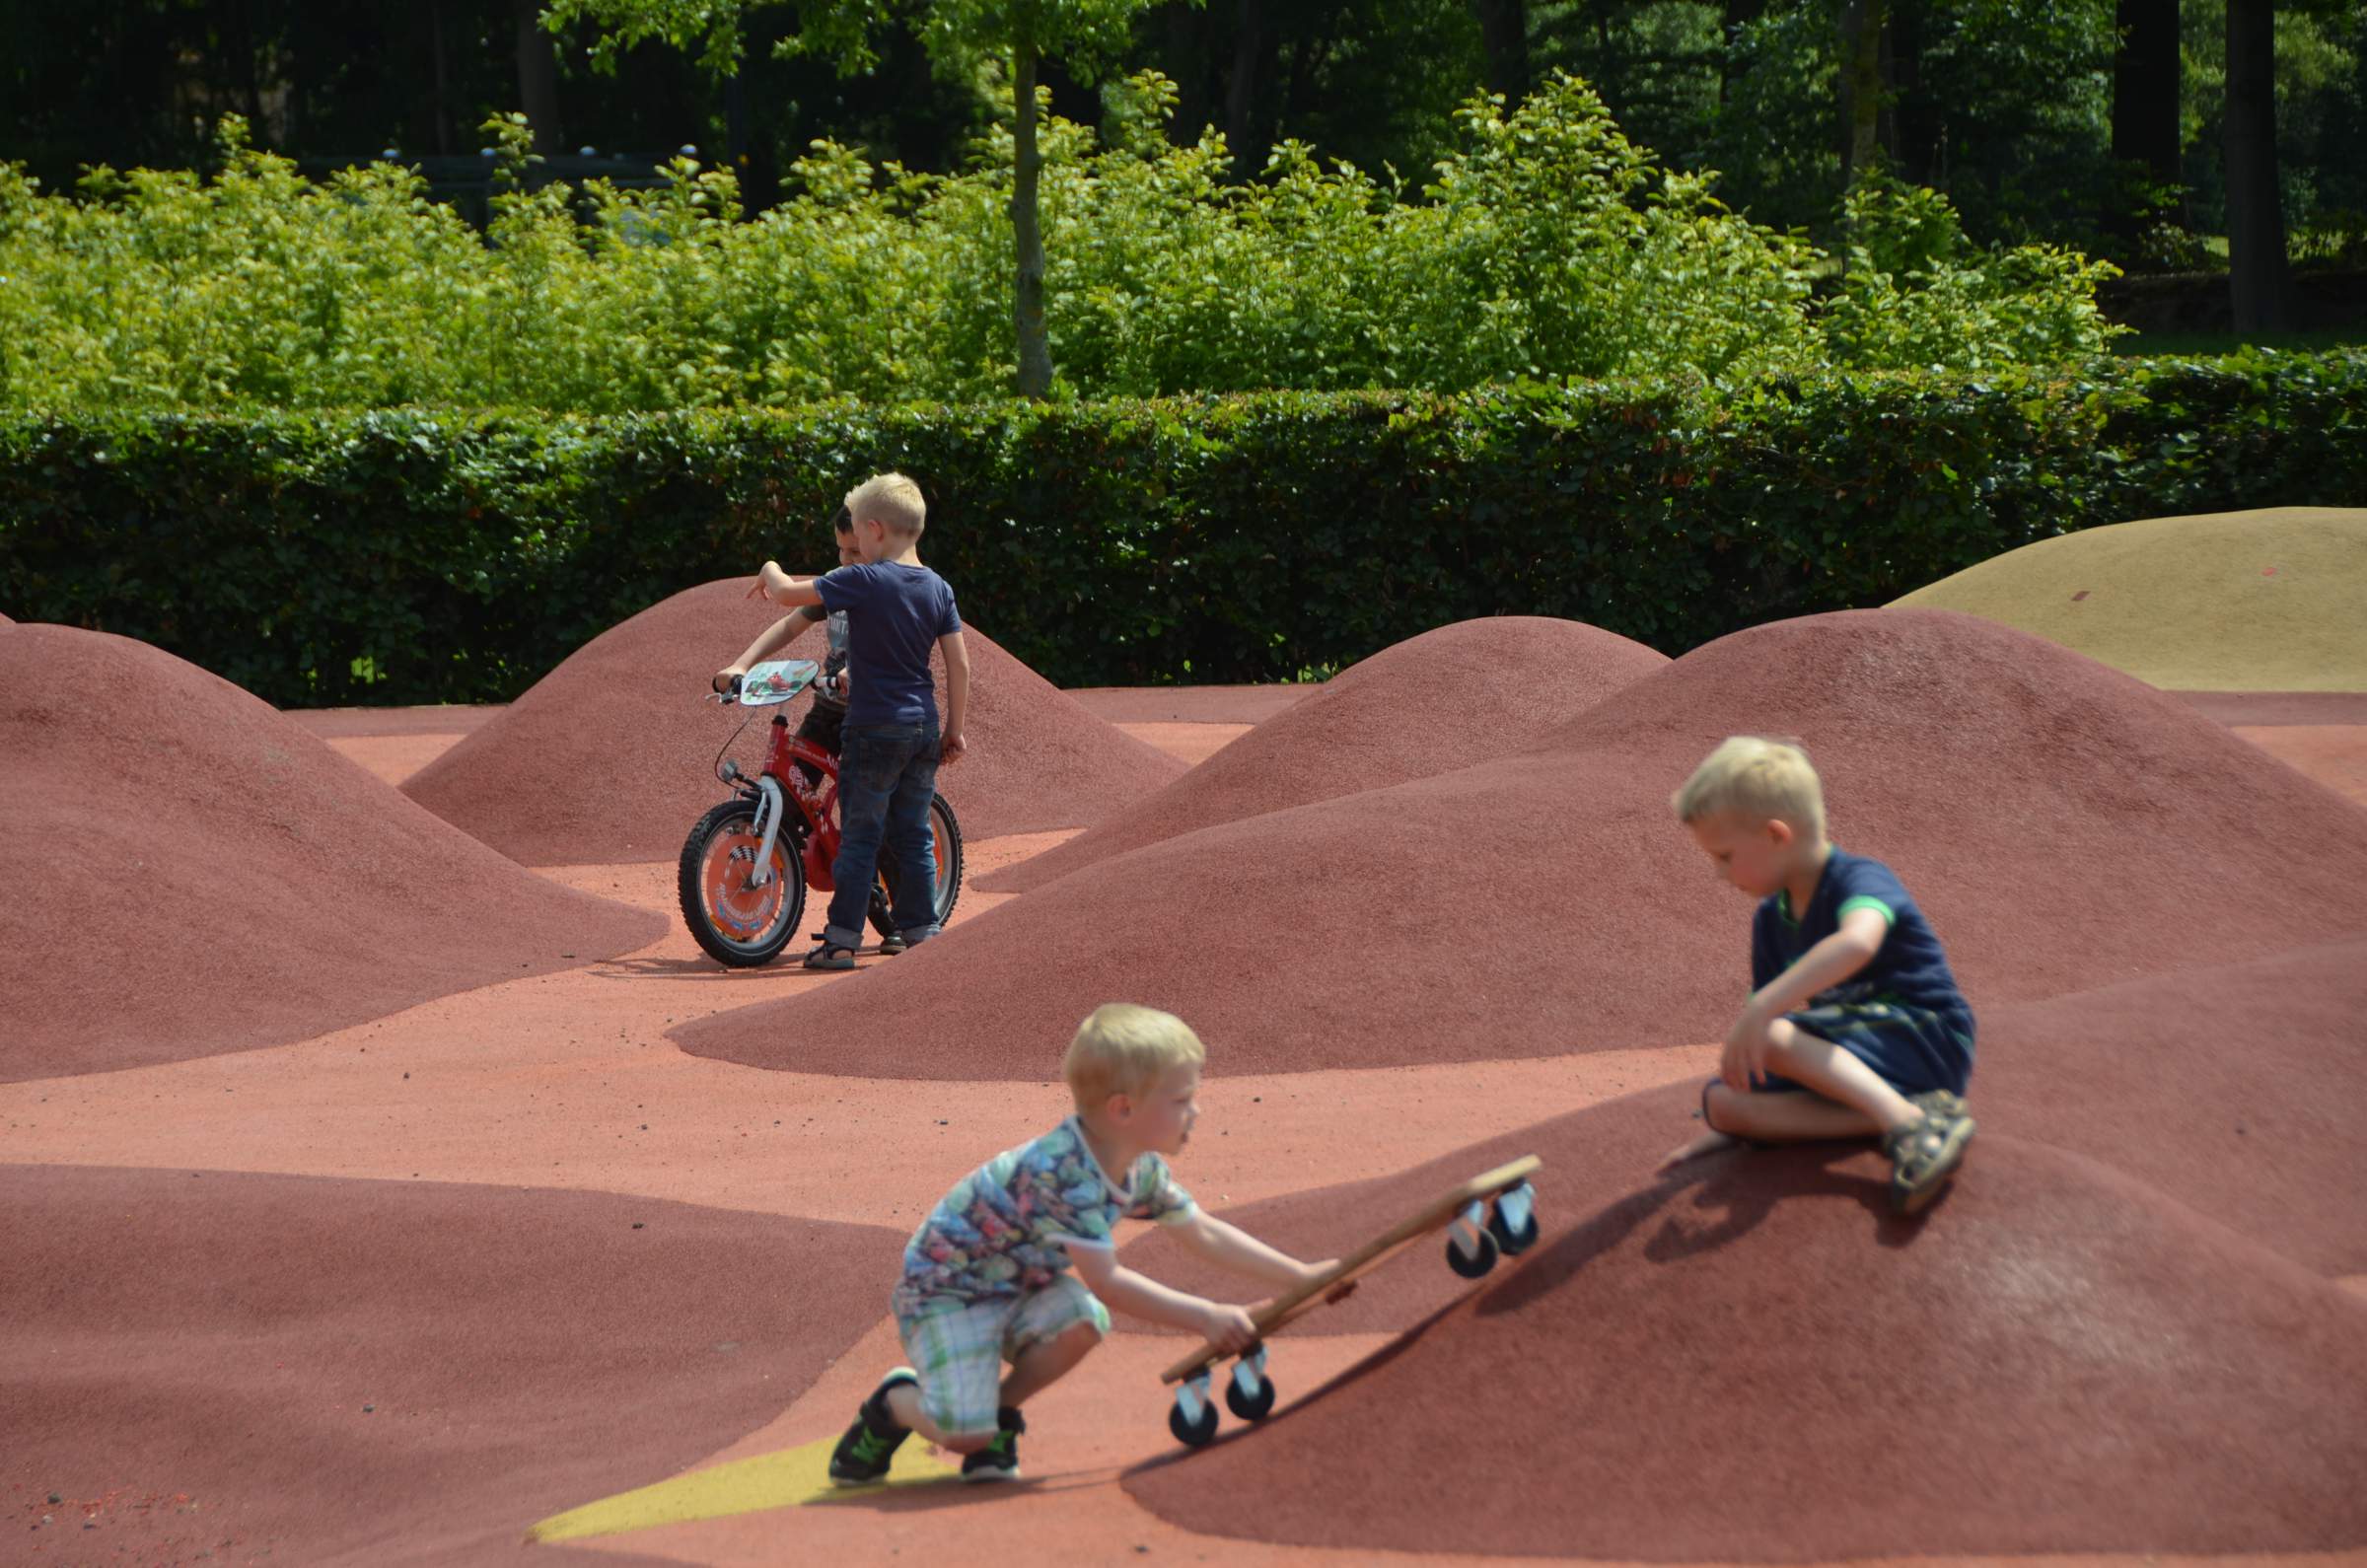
(1046, 1361)
(1783, 1118)
(904, 1402)
(1038, 1367)
(1837, 1076)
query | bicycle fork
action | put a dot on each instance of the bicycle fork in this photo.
(769, 807)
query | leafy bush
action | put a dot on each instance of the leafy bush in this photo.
(410, 556)
(1917, 293)
(1548, 247)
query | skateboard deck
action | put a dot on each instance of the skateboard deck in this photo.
(1490, 1213)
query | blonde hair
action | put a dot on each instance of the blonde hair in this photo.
(1761, 779)
(1125, 1049)
(891, 499)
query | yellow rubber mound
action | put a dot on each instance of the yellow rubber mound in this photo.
(2267, 600)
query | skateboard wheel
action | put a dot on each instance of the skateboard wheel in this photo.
(1513, 1222)
(1189, 1432)
(1250, 1406)
(1476, 1264)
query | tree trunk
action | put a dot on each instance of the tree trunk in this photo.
(440, 118)
(2260, 288)
(1504, 35)
(2146, 87)
(538, 77)
(1242, 91)
(1034, 353)
(1185, 60)
(1861, 86)
(1730, 22)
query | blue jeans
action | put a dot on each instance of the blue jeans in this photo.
(887, 777)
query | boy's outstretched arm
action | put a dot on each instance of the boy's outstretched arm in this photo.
(780, 588)
(1227, 1327)
(1229, 1247)
(1831, 961)
(957, 695)
(771, 640)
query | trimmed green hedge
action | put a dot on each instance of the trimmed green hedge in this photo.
(409, 556)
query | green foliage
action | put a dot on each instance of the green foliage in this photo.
(1548, 247)
(410, 556)
(1917, 293)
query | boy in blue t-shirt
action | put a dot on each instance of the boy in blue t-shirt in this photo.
(890, 745)
(1851, 996)
(1012, 1267)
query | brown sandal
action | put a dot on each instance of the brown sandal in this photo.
(1923, 1156)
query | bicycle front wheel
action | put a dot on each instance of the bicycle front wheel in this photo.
(739, 922)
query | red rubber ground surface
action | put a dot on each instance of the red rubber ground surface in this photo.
(189, 872)
(1432, 704)
(2122, 1315)
(2065, 826)
(1752, 1361)
(217, 1335)
(610, 758)
(1192, 704)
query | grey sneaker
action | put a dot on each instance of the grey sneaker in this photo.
(893, 943)
(999, 1460)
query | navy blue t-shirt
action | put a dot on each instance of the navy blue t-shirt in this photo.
(1909, 968)
(897, 614)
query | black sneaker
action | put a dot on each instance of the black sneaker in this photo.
(862, 1454)
(999, 1460)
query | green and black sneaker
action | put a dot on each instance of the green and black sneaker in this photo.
(862, 1454)
(999, 1460)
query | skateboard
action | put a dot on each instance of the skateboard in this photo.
(1489, 1214)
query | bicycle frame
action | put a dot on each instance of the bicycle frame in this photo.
(780, 783)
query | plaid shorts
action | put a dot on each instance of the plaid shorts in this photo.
(960, 1351)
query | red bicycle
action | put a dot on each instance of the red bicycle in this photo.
(747, 863)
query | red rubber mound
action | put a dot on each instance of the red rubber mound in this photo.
(1757, 1363)
(1432, 704)
(2230, 1088)
(386, 1371)
(1192, 704)
(610, 758)
(2064, 825)
(190, 872)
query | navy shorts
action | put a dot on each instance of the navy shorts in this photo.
(1911, 1048)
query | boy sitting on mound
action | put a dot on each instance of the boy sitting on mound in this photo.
(986, 1277)
(1852, 999)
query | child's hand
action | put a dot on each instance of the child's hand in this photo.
(726, 675)
(1745, 1059)
(1230, 1328)
(950, 749)
(770, 579)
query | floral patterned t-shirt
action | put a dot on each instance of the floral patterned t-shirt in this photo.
(1006, 1229)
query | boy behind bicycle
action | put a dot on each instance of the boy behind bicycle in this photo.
(890, 745)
